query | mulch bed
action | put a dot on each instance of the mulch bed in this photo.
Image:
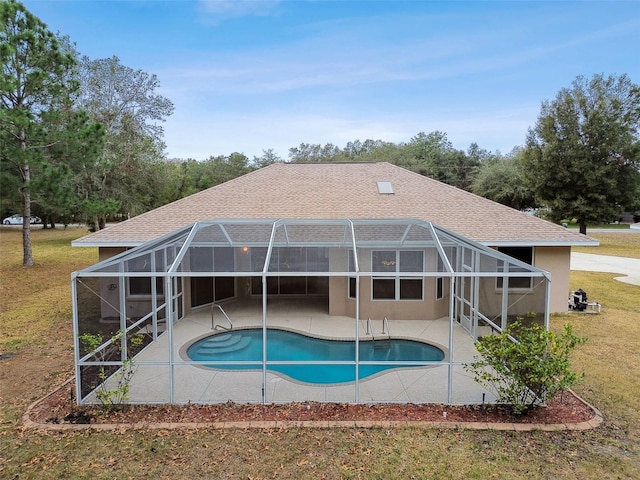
(59, 408)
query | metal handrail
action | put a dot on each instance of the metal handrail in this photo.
(385, 324)
(213, 325)
(369, 330)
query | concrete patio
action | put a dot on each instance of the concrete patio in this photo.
(151, 382)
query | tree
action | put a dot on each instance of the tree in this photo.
(315, 153)
(76, 141)
(223, 168)
(355, 151)
(583, 154)
(125, 101)
(267, 158)
(500, 179)
(433, 155)
(35, 79)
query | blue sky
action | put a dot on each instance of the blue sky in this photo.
(247, 76)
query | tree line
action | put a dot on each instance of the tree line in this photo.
(81, 141)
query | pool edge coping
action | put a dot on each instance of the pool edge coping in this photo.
(182, 352)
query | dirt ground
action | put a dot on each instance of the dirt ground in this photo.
(59, 408)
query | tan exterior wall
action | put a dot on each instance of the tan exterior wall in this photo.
(110, 288)
(519, 302)
(109, 294)
(557, 261)
(105, 253)
(427, 309)
(186, 295)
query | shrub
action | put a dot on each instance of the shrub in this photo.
(526, 366)
(118, 394)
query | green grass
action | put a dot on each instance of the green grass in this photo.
(608, 226)
(35, 313)
(617, 244)
(35, 299)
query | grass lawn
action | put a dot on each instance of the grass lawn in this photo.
(608, 226)
(617, 244)
(35, 335)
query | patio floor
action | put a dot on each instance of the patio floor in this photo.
(199, 384)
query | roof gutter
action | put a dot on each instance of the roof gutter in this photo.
(520, 243)
(127, 244)
(508, 243)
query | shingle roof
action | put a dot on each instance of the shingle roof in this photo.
(341, 190)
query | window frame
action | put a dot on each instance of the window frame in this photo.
(439, 288)
(143, 286)
(351, 281)
(439, 280)
(398, 280)
(145, 294)
(528, 258)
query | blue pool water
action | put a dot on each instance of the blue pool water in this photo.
(283, 345)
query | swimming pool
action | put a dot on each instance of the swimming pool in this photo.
(282, 345)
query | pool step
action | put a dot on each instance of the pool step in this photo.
(382, 344)
(238, 343)
(220, 337)
(222, 340)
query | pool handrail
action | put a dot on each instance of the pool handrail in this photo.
(385, 326)
(213, 324)
(369, 330)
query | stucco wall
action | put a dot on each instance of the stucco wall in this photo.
(557, 261)
(136, 306)
(427, 309)
(109, 287)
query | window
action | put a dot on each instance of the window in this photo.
(525, 255)
(291, 259)
(410, 289)
(352, 287)
(439, 288)
(352, 280)
(142, 286)
(385, 187)
(397, 288)
(439, 280)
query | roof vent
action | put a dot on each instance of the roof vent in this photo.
(385, 187)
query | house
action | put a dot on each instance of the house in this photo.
(357, 190)
(373, 240)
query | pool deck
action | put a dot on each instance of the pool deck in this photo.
(198, 384)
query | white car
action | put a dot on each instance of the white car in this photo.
(17, 220)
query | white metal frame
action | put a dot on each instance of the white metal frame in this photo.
(464, 277)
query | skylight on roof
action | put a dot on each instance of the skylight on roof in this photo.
(385, 187)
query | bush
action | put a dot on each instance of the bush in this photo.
(526, 366)
(118, 394)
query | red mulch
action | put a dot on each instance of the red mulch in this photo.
(60, 409)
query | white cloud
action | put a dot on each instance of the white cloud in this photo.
(251, 133)
(380, 77)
